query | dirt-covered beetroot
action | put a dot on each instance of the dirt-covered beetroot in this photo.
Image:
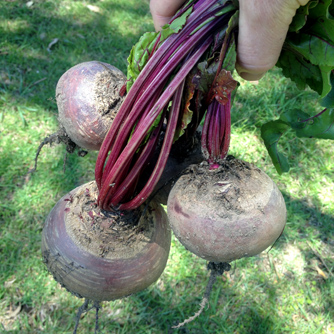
(225, 213)
(88, 97)
(104, 256)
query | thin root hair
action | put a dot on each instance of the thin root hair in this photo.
(216, 269)
(84, 309)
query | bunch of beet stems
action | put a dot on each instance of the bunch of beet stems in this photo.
(216, 132)
(130, 143)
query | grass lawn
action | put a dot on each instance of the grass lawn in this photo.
(289, 289)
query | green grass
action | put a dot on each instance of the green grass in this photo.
(287, 290)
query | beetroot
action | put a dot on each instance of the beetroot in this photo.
(226, 213)
(104, 256)
(88, 97)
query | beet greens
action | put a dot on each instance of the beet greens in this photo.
(307, 58)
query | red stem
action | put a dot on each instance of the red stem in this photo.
(205, 131)
(163, 156)
(131, 178)
(222, 125)
(317, 115)
(227, 134)
(134, 104)
(124, 133)
(146, 124)
(216, 132)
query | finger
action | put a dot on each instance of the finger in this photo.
(163, 10)
(263, 25)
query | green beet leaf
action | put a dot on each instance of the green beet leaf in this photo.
(314, 48)
(305, 126)
(175, 26)
(319, 126)
(307, 57)
(300, 18)
(139, 56)
(301, 71)
(329, 97)
(141, 51)
(271, 133)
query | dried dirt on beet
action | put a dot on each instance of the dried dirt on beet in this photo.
(107, 91)
(111, 235)
(220, 187)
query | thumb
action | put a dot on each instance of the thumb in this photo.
(163, 10)
(263, 25)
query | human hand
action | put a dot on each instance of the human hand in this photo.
(163, 10)
(263, 25)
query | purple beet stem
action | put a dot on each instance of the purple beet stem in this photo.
(117, 175)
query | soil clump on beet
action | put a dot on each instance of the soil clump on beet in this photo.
(107, 88)
(204, 183)
(104, 232)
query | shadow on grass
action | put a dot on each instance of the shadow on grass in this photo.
(30, 67)
(155, 314)
(305, 217)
